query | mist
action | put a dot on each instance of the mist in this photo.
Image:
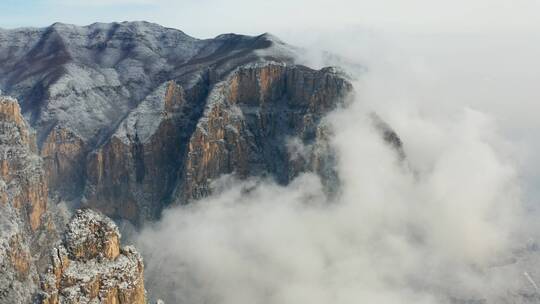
(453, 221)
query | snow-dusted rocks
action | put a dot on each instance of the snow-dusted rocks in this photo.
(17, 271)
(248, 120)
(89, 263)
(20, 167)
(89, 266)
(23, 206)
(90, 234)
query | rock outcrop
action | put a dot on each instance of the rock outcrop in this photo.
(89, 266)
(24, 224)
(20, 168)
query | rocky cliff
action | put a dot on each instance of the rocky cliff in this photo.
(25, 226)
(89, 266)
(28, 222)
(20, 167)
(252, 118)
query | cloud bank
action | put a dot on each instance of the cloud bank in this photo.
(443, 226)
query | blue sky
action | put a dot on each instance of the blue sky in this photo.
(204, 18)
(17, 13)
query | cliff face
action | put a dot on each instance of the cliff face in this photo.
(251, 121)
(90, 248)
(20, 168)
(170, 142)
(23, 206)
(89, 266)
(63, 154)
(135, 170)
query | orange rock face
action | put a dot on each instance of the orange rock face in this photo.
(254, 113)
(10, 111)
(20, 258)
(23, 204)
(63, 155)
(109, 174)
(20, 167)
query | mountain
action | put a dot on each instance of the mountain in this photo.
(125, 119)
(132, 116)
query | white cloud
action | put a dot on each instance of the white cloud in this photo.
(392, 237)
(464, 106)
(424, 234)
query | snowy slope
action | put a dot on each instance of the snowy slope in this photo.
(89, 78)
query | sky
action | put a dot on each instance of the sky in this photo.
(206, 18)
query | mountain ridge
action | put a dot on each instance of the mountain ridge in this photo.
(117, 108)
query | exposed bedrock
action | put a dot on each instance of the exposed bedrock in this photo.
(252, 118)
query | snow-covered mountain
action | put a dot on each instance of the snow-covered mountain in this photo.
(133, 116)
